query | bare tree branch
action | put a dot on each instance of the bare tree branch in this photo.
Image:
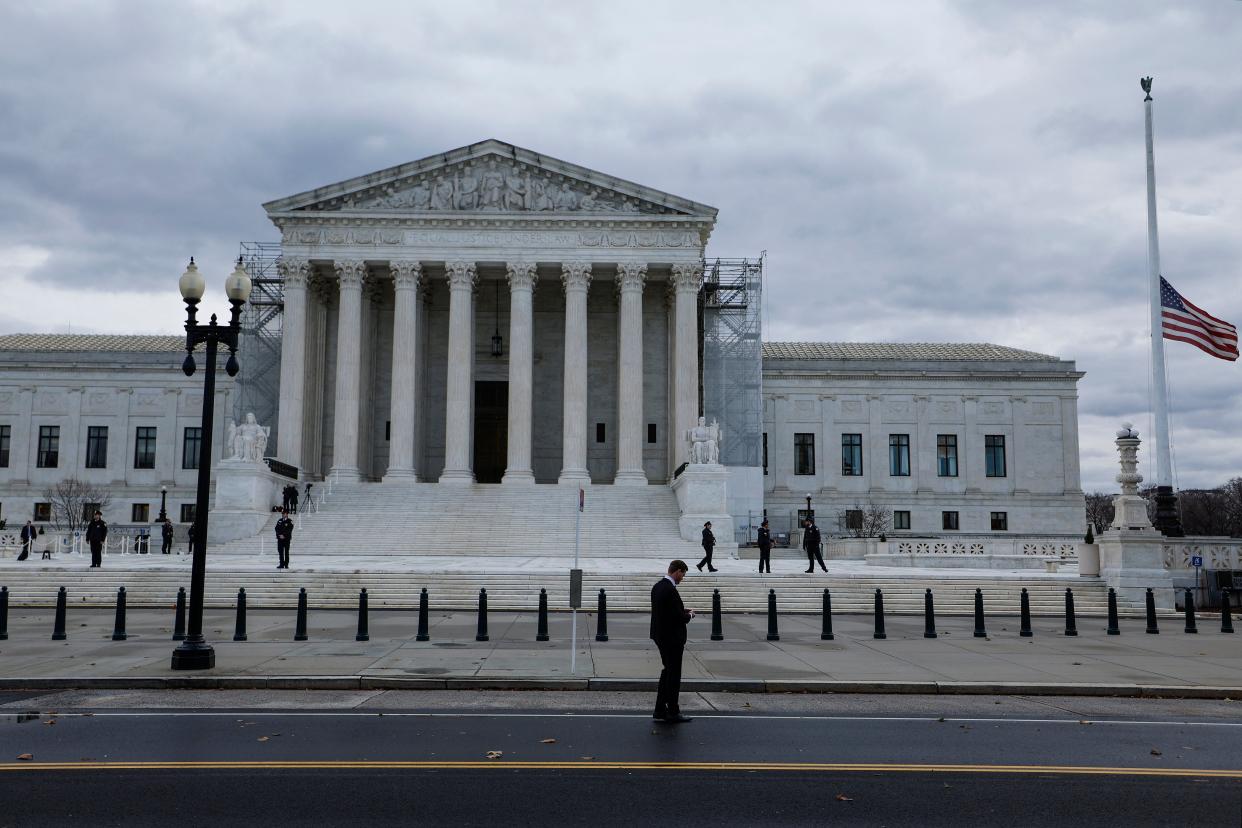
(71, 498)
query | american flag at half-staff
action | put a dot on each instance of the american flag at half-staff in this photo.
(1184, 322)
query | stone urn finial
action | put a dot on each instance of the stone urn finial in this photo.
(1127, 446)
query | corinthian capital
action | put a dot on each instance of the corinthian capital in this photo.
(687, 277)
(406, 274)
(522, 275)
(631, 276)
(461, 275)
(576, 276)
(296, 273)
(351, 274)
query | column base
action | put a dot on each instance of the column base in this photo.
(574, 477)
(518, 477)
(630, 477)
(457, 477)
(345, 474)
(400, 475)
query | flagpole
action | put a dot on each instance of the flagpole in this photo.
(1167, 520)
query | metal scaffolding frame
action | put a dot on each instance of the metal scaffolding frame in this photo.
(258, 384)
(730, 307)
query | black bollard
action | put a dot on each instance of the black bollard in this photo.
(179, 618)
(481, 635)
(717, 626)
(4, 613)
(118, 628)
(299, 631)
(1114, 628)
(826, 633)
(422, 635)
(1226, 617)
(58, 626)
(929, 616)
(980, 630)
(1190, 613)
(879, 616)
(773, 632)
(541, 634)
(1152, 627)
(1071, 620)
(1025, 621)
(239, 632)
(364, 621)
(601, 626)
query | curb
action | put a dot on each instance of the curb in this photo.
(932, 688)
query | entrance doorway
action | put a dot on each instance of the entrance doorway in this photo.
(491, 430)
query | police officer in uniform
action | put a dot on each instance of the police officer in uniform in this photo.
(166, 534)
(96, 534)
(765, 547)
(284, 534)
(811, 545)
(709, 543)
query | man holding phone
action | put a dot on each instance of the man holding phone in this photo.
(669, 618)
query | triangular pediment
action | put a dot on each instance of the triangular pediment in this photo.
(489, 177)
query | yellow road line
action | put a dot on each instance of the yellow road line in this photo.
(814, 767)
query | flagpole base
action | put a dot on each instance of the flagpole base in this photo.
(1167, 522)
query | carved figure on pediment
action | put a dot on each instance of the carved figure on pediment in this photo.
(468, 190)
(442, 194)
(587, 202)
(539, 199)
(566, 198)
(492, 192)
(515, 190)
(420, 195)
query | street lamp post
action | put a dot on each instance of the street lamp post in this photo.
(809, 513)
(163, 503)
(194, 653)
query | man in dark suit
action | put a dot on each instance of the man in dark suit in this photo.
(284, 536)
(96, 534)
(668, 630)
(29, 533)
(811, 545)
(765, 547)
(709, 543)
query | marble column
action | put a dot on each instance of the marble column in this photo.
(576, 277)
(291, 414)
(687, 279)
(630, 279)
(345, 435)
(522, 278)
(459, 385)
(405, 279)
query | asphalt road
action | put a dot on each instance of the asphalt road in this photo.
(946, 762)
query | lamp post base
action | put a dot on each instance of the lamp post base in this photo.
(194, 656)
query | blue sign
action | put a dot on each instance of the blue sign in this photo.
(1196, 561)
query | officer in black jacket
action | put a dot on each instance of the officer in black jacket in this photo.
(811, 545)
(709, 543)
(284, 535)
(166, 535)
(96, 534)
(669, 618)
(29, 533)
(765, 547)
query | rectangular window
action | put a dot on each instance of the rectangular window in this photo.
(49, 447)
(899, 455)
(187, 512)
(765, 452)
(1000, 521)
(901, 520)
(804, 454)
(948, 520)
(651, 432)
(140, 512)
(853, 519)
(851, 455)
(946, 455)
(144, 447)
(387, 431)
(994, 454)
(97, 447)
(191, 447)
(599, 432)
(42, 512)
(6, 432)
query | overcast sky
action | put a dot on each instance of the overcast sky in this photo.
(916, 172)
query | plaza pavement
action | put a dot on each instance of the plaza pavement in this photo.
(1173, 663)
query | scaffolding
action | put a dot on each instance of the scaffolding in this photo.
(732, 356)
(258, 384)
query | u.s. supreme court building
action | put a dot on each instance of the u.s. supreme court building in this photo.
(494, 323)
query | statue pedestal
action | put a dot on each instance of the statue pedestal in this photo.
(1131, 561)
(245, 495)
(702, 493)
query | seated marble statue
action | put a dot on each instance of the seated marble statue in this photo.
(703, 443)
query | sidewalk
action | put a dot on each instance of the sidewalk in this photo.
(1208, 664)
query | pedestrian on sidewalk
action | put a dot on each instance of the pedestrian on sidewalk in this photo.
(709, 543)
(669, 618)
(765, 548)
(284, 534)
(811, 545)
(96, 534)
(166, 534)
(29, 533)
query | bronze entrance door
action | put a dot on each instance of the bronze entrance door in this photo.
(491, 430)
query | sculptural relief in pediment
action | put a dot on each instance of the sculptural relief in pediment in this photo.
(491, 184)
